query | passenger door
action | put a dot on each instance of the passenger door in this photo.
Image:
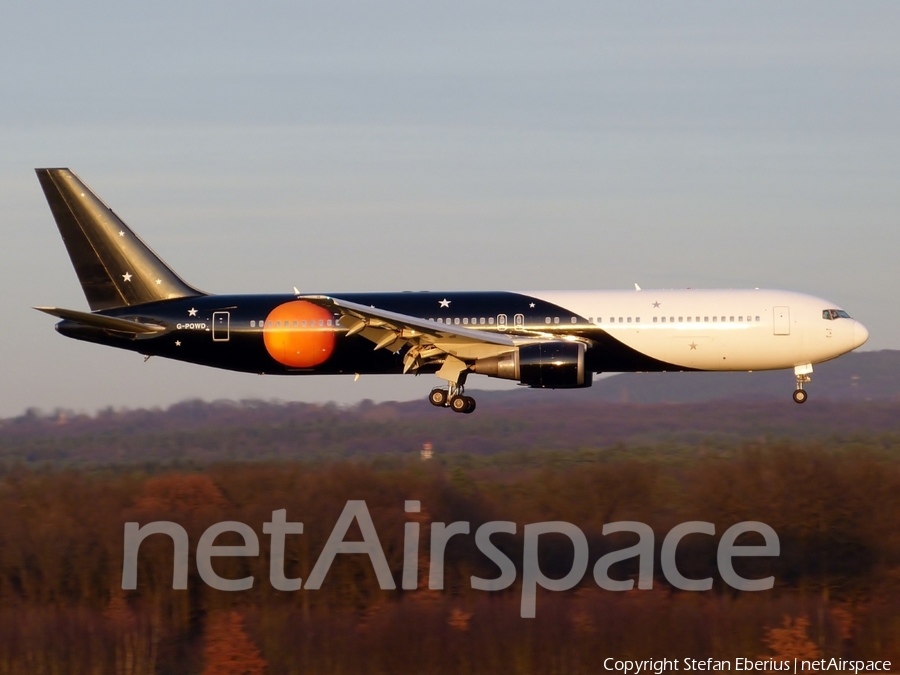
(221, 326)
(782, 320)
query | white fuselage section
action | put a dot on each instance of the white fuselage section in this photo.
(718, 329)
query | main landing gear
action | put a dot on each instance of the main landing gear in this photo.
(802, 375)
(453, 398)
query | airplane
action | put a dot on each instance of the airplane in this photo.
(540, 339)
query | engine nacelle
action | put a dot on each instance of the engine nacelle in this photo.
(545, 365)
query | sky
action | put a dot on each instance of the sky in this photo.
(443, 146)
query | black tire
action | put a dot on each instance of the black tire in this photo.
(800, 396)
(438, 397)
(471, 407)
(459, 404)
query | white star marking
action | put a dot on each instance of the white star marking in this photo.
(158, 282)
(444, 303)
(177, 343)
(121, 233)
(531, 305)
(192, 312)
(127, 276)
(693, 345)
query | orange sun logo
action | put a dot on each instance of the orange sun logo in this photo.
(298, 335)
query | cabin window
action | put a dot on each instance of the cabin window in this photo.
(723, 318)
(440, 320)
(547, 320)
(715, 318)
(680, 319)
(664, 319)
(329, 321)
(491, 320)
(629, 319)
(482, 321)
(555, 319)
(253, 323)
(574, 319)
(689, 319)
(731, 318)
(456, 321)
(740, 319)
(466, 321)
(757, 318)
(322, 323)
(637, 319)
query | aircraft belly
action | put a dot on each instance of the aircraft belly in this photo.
(717, 350)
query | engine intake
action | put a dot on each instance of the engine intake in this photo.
(545, 365)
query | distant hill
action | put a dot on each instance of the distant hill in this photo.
(855, 399)
(858, 376)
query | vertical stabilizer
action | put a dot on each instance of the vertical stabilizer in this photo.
(115, 268)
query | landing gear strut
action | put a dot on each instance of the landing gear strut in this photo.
(454, 371)
(802, 375)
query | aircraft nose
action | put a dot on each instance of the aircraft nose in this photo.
(860, 334)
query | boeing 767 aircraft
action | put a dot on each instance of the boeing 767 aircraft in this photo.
(543, 339)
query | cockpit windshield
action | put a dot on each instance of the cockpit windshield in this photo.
(832, 314)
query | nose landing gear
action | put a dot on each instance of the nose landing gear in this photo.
(802, 374)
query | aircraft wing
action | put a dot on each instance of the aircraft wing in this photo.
(428, 340)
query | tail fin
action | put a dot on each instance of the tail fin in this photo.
(115, 268)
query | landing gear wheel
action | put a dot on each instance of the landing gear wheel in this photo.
(471, 406)
(460, 404)
(800, 396)
(438, 397)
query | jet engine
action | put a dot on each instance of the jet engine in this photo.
(544, 365)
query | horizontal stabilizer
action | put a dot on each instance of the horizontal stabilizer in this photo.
(100, 321)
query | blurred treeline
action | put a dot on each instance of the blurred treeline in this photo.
(834, 505)
(195, 433)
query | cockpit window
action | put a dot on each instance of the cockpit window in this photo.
(832, 314)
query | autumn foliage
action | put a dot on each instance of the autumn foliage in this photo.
(229, 650)
(837, 591)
